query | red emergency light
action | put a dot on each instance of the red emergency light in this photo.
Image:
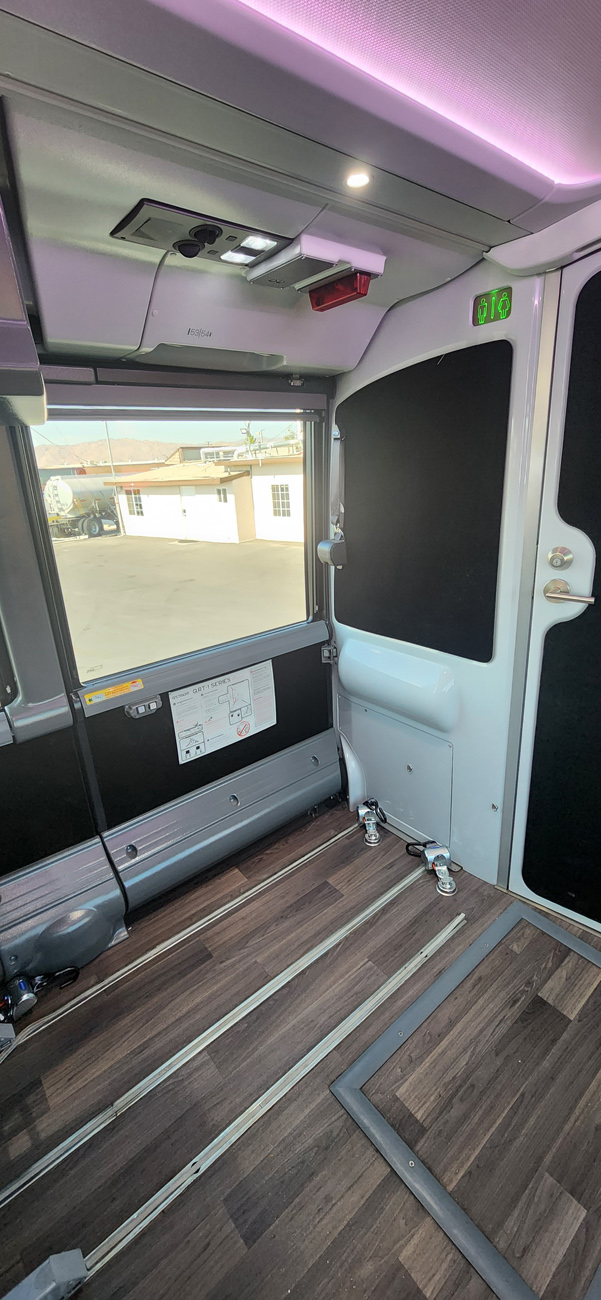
(346, 289)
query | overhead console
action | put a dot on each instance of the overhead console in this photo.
(258, 248)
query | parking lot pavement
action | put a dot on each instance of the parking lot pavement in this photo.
(134, 600)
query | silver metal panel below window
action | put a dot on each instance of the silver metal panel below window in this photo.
(175, 673)
(62, 911)
(155, 852)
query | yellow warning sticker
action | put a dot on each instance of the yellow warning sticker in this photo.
(109, 692)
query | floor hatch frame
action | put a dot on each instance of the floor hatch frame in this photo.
(496, 1271)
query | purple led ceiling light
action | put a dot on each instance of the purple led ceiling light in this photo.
(523, 77)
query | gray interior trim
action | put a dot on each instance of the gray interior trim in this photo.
(22, 395)
(500, 1276)
(60, 912)
(58, 1277)
(174, 673)
(41, 704)
(540, 425)
(76, 401)
(186, 836)
(47, 66)
(288, 386)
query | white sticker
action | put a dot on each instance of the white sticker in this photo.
(210, 715)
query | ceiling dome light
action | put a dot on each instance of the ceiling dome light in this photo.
(357, 180)
(236, 255)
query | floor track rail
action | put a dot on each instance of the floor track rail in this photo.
(142, 1218)
(168, 944)
(199, 1044)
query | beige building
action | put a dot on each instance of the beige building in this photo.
(236, 501)
(190, 501)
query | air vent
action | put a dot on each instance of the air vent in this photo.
(171, 354)
(195, 235)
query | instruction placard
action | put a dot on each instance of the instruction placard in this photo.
(212, 714)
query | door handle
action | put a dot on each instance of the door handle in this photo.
(558, 589)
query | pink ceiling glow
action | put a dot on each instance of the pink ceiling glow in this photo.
(524, 75)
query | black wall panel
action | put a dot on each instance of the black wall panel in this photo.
(44, 803)
(424, 464)
(136, 759)
(564, 815)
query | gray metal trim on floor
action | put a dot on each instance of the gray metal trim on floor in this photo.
(496, 1271)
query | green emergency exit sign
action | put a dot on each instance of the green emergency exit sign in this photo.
(489, 307)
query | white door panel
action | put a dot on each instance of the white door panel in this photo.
(463, 703)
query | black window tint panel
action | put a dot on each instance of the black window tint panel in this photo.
(564, 813)
(44, 803)
(136, 759)
(424, 465)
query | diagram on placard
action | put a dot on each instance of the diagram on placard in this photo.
(238, 700)
(222, 710)
(191, 743)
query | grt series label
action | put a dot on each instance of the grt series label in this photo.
(223, 710)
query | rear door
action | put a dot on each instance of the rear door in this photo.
(194, 640)
(558, 811)
(436, 437)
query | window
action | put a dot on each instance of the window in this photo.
(148, 567)
(134, 501)
(280, 500)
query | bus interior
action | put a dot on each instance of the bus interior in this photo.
(300, 357)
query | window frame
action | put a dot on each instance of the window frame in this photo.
(280, 501)
(135, 505)
(158, 404)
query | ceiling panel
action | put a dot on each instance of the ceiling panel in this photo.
(524, 77)
(78, 176)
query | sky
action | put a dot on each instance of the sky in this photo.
(65, 432)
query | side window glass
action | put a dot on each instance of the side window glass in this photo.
(171, 536)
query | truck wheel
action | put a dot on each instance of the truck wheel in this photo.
(92, 526)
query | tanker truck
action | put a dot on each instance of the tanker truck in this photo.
(80, 506)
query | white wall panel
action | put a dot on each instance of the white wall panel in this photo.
(481, 692)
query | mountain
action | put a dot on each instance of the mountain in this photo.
(128, 450)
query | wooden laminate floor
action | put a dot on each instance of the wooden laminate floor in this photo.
(500, 1092)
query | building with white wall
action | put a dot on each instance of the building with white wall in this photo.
(261, 497)
(190, 502)
(278, 495)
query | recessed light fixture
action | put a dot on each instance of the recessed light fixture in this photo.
(259, 242)
(356, 180)
(236, 255)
